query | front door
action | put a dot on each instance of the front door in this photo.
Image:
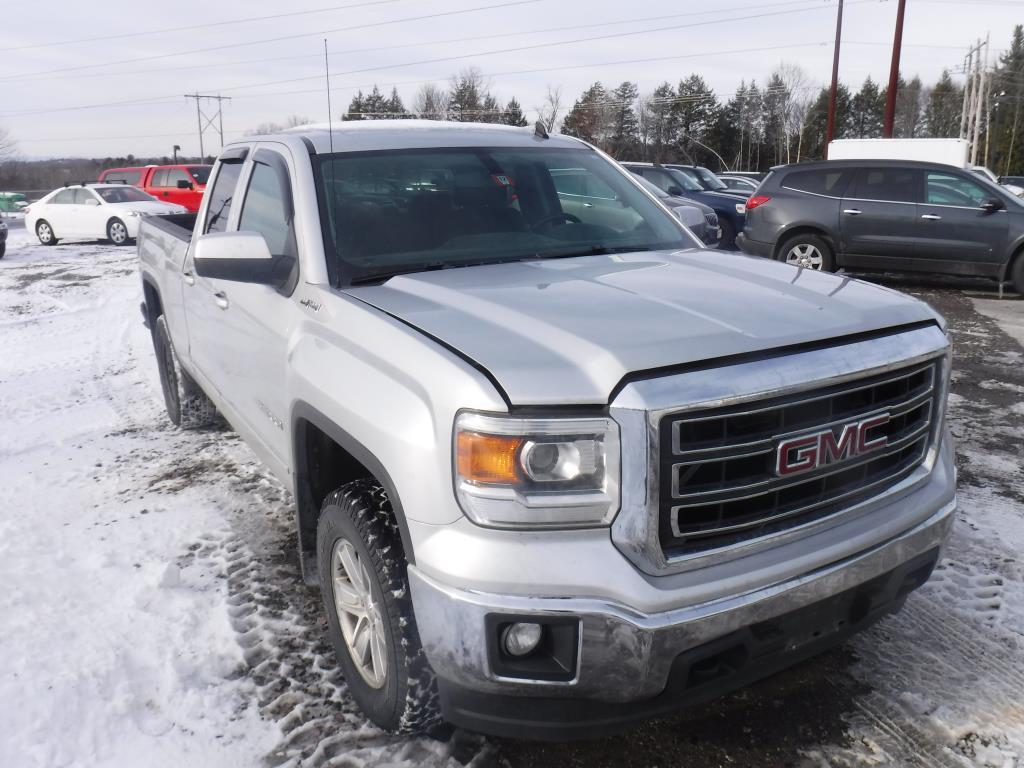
(955, 234)
(164, 187)
(878, 219)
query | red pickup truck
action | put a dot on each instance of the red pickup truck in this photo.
(181, 184)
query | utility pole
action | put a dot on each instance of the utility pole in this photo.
(176, 150)
(965, 110)
(205, 121)
(830, 130)
(982, 69)
(894, 73)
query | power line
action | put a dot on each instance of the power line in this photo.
(425, 43)
(209, 25)
(319, 33)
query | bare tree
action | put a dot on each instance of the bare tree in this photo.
(8, 146)
(795, 104)
(551, 109)
(430, 102)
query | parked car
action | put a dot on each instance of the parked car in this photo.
(553, 472)
(178, 184)
(742, 184)
(981, 170)
(707, 180)
(700, 218)
(12, 202)
(1017, 181)
(93, 212)
(3, 238)
(727, 207)
(889, 215)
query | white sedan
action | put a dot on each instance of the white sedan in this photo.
(93, 212)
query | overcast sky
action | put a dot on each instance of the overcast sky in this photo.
(139, 66)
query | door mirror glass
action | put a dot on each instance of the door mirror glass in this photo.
(992, 205)
(182, 184)
(242, 257)
(91, 201)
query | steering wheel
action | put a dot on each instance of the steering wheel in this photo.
(561, 216)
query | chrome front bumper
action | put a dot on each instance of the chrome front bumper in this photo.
(626, 655)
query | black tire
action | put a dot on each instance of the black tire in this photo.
(727, 242)
(45, 233)
(1017, 273)
(813, 247)
(188, 406)
(406, 700)
(117, 232)
(3, 248)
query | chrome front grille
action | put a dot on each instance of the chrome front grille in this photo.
(720, 480)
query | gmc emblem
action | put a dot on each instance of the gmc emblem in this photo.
(807, 452)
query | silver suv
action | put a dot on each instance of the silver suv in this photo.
(555, 467)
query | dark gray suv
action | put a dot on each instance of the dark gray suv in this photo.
(887, 215)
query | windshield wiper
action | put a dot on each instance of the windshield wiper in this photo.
(592, 250)
(385, 274)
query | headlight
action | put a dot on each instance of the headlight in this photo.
(536, 472)
(134, 213)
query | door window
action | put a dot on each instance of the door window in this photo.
(159, 178)
(174, 175)
(950, 189)
(128, 177)
(82, 196)
(219, 210)
(267, 209)
(887, 184)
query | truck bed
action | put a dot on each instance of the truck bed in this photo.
(178, 225)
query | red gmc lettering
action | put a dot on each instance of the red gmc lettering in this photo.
(807, 452)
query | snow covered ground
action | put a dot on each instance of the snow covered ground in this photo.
(153, 614)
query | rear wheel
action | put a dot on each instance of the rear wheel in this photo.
(370, 620)
(727, 242)
(3, 248)
(1017, 274)
(188, 406)
(117, 232)
(808, 252)
(45, 233)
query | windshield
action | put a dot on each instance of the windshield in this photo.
(705, 178)
(686, 180)
(653, 188)
(412, 210)
(124, 194)
(201, 173)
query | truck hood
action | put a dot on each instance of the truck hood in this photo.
(567, 331)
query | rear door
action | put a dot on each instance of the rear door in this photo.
(955, 235)
(878, 218)
(91, 215)
(590, 200)
(60, 213)
(251, 340)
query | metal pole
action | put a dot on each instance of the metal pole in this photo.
(220, 119)
(199, 121)
(978, 95)
(965, 110)
(830, 130)
(894, 73)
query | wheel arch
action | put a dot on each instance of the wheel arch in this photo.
(804, 229)
(1016, 251)
(325, 456)
(153, 303)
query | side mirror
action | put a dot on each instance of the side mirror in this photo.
(992, 205)
(92, 201)
(182, 184)
(242, 257)
(674, 190)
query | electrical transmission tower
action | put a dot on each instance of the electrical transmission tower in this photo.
(206, 121)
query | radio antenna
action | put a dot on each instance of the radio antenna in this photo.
(327, 74)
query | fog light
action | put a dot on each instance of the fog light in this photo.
(522, 638)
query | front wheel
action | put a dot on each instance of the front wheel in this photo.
(117, 232)
(808, 252)
(45, 233)
(3, 248)
(370, 620)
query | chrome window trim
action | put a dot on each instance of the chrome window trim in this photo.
(871, 200)
(813, 194)
(640, 406)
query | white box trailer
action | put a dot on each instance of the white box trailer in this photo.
(945, 151)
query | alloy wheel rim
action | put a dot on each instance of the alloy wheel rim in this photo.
(805, 255)
(359, 614)
(44, 233)
(117, 232)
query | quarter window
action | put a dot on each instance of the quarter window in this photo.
(824, 182)
(888, 184)
(267, 211)
(128, 177)
(949, 189)
(219, 208)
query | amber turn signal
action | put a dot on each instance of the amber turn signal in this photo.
(488, 459)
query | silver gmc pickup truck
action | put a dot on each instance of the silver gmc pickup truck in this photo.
(555, 467)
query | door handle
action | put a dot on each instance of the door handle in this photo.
(852, 211)
(931, 217)
(221, 299)
(588, 205)
(188, 277)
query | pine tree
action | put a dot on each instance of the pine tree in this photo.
(942, 112)
(395, 107)
(663, 131)
(625, 129)
(909, 108)
(1007, 125)
(355, 108)
(694, 112)
(867, 111)
(513, 113)
(586, 119)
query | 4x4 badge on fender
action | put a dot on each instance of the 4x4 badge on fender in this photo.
(806, 452)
